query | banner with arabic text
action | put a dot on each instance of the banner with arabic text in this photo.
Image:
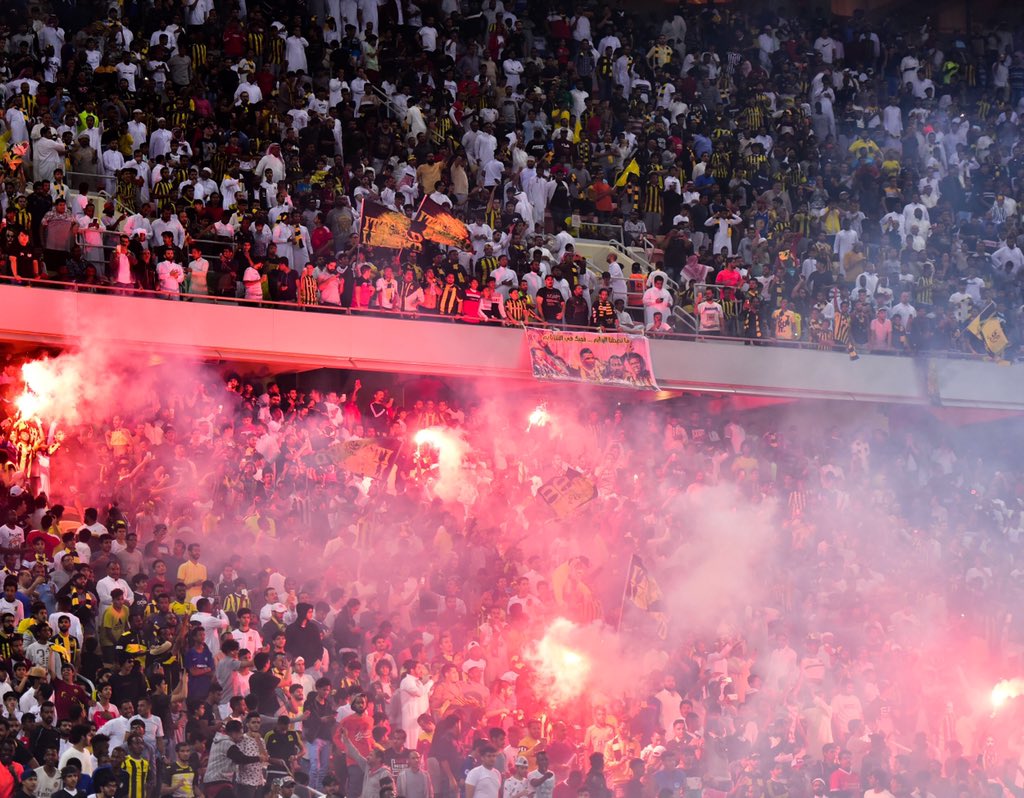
(596, 358)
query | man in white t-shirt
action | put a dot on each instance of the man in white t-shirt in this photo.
(213, 623)
(710, 316)
(428, 36)
(904, 310)
(329, 282)
(248, 638)
(154, 726)
(387, 289)
(253, 282)
(961, 301)
(106, 586)
(542, 780)
(9, 602)
(11, 535)
(484, 781)
(517, 785)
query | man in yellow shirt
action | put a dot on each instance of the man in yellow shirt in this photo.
(532, 742)
(660, 54)
(192, 572)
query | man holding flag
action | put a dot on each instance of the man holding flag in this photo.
(645, 594)
(987, 327)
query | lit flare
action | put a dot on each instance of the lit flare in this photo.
(540, 417)
(1004, 691)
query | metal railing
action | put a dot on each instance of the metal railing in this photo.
(601, 232)
(683, 318)
(207, 246)
(393, 109)
(428, 316)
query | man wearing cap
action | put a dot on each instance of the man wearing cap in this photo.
(518, 784)
(276, 624)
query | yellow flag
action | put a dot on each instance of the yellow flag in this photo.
(995, 338)
(987, 327)
(643, 591)
(632, 168)
(576, 128)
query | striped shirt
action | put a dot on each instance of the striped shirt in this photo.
(256, 40)
(199, 55)
(137, 771)
(517, 310)
(450, 302)
(219, 766)
(485, 266)
(307, 296)
(651, 200)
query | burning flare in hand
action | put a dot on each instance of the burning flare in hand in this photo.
(539, 417)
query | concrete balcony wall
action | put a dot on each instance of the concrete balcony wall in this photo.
(296, 340)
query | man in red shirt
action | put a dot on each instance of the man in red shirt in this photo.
(358, 727)
(843, 783)
(10, 771)
(67, 694)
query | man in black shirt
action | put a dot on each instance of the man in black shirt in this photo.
(22, 258)
(550, 301)
(263, 685)
(44, 734)
(283, 746)
(577, 311)
(317, 729)
(283, 282)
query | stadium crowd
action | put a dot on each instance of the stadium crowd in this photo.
(837, 181)
(199, 598)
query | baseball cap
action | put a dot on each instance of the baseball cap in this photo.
(521, 762)
(279, 607)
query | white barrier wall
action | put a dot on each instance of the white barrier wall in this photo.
(309, 339)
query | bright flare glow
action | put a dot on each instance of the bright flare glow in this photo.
(561, 668)
(1006, 690)
(431, 436)
(449, 479)
(28, 405)
(539, 417)
(43, 388)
